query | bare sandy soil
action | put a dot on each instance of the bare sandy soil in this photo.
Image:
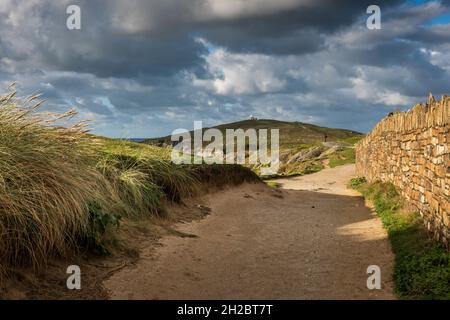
(313, 239)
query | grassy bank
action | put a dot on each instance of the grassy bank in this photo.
(62, 190)
(422, 266)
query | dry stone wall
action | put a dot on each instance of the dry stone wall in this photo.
(412, 150)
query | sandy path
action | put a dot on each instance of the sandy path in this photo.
(260, 243)
(332, 181)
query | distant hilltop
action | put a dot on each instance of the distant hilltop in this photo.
(291, 133)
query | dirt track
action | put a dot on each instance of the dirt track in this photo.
(314, 242)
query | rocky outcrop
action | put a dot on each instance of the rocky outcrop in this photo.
(306, 154)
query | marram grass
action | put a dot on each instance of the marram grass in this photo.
(46, 183)
(62, 189)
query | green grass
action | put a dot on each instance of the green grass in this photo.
(352, 140)
(273, 184)
(357, 182)
(342, 157)
(422, 266)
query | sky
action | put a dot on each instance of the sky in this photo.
(142, 68)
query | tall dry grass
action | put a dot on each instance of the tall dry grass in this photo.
(127, 176)
(46, 183)
(62, 188)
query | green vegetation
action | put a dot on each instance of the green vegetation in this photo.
(341, 157)
(272, 184)
(99, 227)
(303, 149)
(422, 266)
(62, 189)
(357, 182)
(352, 140)
(294, 134)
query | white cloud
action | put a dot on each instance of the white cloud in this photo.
(397, 26)
(225, 9)
(242, 73)
(371, 92)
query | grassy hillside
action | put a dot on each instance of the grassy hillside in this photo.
(292, 134)
(302, 146)
(62, 189)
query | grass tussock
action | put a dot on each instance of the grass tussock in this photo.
(303, 168)
(46, 183)
(219, 175)
(62, 189)
(422, 266)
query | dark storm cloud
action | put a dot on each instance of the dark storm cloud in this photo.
(156, 37)
(100, 48)
(299, 30)
(145, 67)
(407, 55)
